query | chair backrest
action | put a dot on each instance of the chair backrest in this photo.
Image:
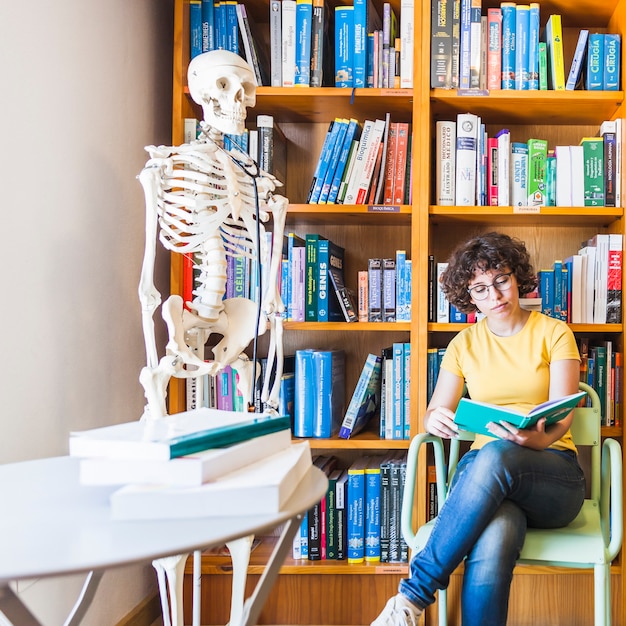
(585, 430)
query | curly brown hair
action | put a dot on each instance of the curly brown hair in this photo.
(491, 251)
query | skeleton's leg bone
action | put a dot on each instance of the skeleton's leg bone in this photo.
(170, 572)
(240, 557)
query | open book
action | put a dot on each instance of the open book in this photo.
(474, 416)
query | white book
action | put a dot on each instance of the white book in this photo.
(589, 282)
(601, 242)
(445, 154)
(519, 173)
(289, 42)
(575, 265)
(173, 435)
(359, 162)
(504, 167)
(369, 163)
(276, 44)
(466, 154)
(260, 488)
(578, 175)
(563, 176)
(190, 129)
(407, 42)
(190, 470)
(443, 306)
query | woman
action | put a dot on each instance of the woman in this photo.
(518, 478)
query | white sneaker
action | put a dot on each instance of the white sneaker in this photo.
(398, 612)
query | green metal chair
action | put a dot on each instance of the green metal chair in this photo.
(591, 541)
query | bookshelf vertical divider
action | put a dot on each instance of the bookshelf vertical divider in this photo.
(334, 592)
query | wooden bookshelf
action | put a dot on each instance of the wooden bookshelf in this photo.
(335, 592)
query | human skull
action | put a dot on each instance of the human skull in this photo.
(223, 84)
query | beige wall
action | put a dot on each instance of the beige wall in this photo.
(85, 85)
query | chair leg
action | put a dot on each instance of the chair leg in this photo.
(602, 595)
(442, 602)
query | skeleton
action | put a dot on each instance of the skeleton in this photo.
(209, 202)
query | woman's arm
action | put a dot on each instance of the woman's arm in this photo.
(564, 376)
(439, 417)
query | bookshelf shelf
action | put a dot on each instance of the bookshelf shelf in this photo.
(346, 327)
(371, 215)
(530, 107)
(571, 216)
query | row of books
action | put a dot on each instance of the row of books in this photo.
(366, 163)
(602, 367)
(359, 518)
(384, 289)
(312, 284)
(586, 287)
(476, 169)
(504, 48)
(371, 51)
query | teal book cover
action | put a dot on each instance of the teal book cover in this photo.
(474, 416)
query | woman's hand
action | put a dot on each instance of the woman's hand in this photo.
(534, 437)
(440, 422)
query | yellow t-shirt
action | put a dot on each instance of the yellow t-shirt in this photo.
(511, 371)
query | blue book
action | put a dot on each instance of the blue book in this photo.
(344, 46)
(575, 71)
(352, 132)
(594, 77)
(456, 316)
(208, 26)
(374, 290)
(522, 40)
(465, 50)
(232, 26)
(557, 267)
(533, 47)
(508, 45)
(546, 289)
(221, 34)
(407, 390)
(355, 504)
(304, 17)
(372, 510)
(401, 295)
(195, 28)
(324, 160)
(366, 20)
(334, 160)
(365, 399)
(329, 385)
(321, 269)
(286, 395)
(389, 290)
(304, 394)
(285, 287)
(398, 390)
(612, 53)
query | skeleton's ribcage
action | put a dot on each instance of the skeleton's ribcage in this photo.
(207, 210)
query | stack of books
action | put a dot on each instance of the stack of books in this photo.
(199, 463)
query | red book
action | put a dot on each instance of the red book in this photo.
(390, 164)
(492, 171)
(402, 141)
(187, 279)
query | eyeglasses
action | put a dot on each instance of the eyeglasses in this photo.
(502, 282)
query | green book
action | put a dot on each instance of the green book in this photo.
(543, 66)
(474, 416)
(174, 435)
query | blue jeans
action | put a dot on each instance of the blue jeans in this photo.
(497, 492)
